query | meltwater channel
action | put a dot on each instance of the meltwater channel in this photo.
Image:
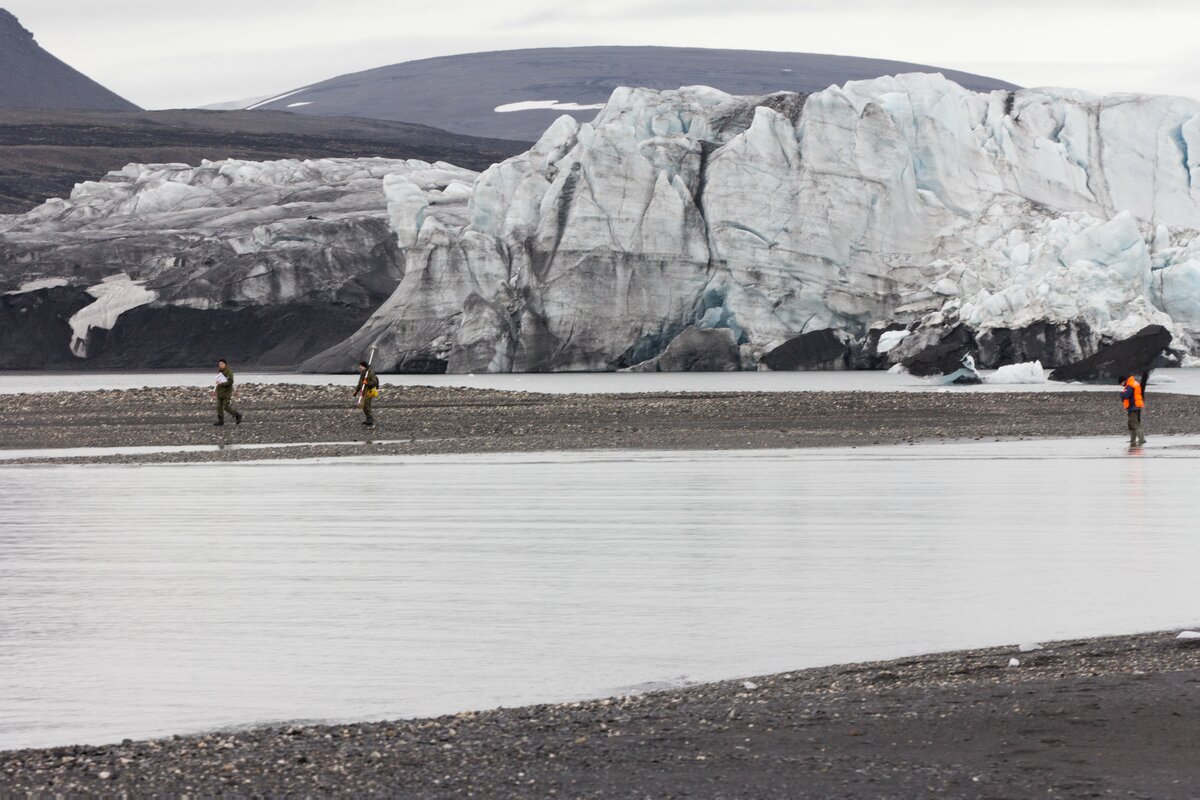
(142, 601)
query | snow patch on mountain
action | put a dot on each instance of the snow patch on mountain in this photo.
(239, 105)
(276, 98)
(541, 105)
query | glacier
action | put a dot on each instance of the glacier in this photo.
(895, 211)
(268, 249)
(905, 199)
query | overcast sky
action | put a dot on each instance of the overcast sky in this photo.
(174, 53)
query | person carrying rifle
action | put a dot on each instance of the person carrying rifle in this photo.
(367, 390)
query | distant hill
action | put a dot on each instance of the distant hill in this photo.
(460, 93)
(44, 154)
(32, 78)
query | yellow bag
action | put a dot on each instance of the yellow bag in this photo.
(372, 393)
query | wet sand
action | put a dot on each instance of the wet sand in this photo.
(1108, 717)
(448, 420)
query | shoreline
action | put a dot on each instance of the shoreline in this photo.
(1116, 715)
(303, 421)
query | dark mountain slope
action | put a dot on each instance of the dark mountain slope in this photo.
(460, 93)
(32, 78)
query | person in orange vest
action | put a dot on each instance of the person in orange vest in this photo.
(1134, 402)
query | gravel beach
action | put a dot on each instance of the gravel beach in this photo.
(1109, 717)
(445, 420)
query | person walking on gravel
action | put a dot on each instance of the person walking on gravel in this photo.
(367, 390)
(1134, 402)
(223, 392)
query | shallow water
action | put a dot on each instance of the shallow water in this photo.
(149, 600)
(1186, 381)
(56, 453)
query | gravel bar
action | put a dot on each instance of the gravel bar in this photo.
(453, 420)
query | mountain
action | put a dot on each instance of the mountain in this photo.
(462, 93)
(32, 78)
(44, 154)
(48, 144)
(680, 228)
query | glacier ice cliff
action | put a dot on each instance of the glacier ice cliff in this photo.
(266, 262)
(1043, 223)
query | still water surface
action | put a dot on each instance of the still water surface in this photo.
(1183, 381)
(142, 601)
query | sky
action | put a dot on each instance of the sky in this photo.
(178, 53)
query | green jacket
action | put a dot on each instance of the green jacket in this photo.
(367, 380)
(226, 388)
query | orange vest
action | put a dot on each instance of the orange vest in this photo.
(1137, 394)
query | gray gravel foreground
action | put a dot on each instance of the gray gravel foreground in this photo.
(1107, 717)
(452, 420)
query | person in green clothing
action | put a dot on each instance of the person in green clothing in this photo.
(223, 392)
(367, 390)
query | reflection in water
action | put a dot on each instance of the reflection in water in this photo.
(149, 600)
(1135, 478)
(44, 454)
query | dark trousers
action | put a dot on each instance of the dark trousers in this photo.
(223, 405)
(367, 400)
(1135, 427)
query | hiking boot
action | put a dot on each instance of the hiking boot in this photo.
(218, 423)
(237, 419)
(368, 423)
